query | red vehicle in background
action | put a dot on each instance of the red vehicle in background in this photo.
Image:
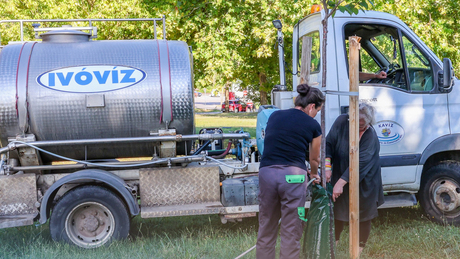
(238, 106)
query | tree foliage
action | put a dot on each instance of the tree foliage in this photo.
(233, 39)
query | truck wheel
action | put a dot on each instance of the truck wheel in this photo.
(235, 110)
(89, 217)
(440, 193)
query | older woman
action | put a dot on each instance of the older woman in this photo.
(370, 179)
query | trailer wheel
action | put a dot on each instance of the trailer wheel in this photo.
(89, 217)
(440, 193)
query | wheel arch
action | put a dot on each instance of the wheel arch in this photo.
(112, 181)
(448, 143)
(444, 148)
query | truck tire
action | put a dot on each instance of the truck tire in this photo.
(440, 193)
(89, 217)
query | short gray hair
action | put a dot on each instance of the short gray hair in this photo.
(366, 112)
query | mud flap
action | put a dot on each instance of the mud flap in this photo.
(18, 198)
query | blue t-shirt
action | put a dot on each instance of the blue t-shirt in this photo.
(287, 138)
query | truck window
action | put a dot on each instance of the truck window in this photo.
(315, 52)
(420, 76)
(380, 50)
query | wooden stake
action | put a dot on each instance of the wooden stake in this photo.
(354, 47)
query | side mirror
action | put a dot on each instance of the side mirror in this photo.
(448, 74)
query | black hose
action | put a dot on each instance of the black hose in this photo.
(202, 147)
(225, 152)
(216, 152)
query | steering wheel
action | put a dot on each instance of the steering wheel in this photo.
(379, 80)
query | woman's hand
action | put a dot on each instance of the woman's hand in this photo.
(338, 189)
(328, 174)
(317, 180)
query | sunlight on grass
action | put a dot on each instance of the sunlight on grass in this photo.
(228, 122)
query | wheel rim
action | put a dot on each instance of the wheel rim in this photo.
(90, 224)
(446, 196)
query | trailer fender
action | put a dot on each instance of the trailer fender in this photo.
(90, 175)
(441, 144)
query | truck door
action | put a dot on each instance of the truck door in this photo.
(410, 110)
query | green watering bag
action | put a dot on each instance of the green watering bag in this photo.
(319, 238)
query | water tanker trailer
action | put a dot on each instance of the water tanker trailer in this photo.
(69, 97)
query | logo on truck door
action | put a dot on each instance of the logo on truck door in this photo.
(91, 78)
(389, 132)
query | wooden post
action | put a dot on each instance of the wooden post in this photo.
(305, 60)
(354, 47)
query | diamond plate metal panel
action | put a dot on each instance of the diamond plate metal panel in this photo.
(18, 194)
(179, 186)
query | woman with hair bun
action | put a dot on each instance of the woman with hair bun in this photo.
(289, 135)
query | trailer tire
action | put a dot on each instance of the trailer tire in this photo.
(89, 217)
(440, 193)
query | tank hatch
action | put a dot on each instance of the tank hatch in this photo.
(65, 34)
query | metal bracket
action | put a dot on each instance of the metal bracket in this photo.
(341, 93)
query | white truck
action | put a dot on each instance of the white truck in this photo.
(417, 105)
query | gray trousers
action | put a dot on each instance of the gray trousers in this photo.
(279, 199)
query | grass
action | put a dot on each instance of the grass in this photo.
(229, 122)
(396, 233)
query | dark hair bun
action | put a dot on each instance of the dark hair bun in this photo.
(303, 89)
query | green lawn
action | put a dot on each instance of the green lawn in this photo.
(396, 233)
(228, 122)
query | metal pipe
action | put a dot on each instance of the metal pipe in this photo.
(281, 57)
(164, 27)
(83, 20)
(177, 138)
(22, 31)
(177, 160)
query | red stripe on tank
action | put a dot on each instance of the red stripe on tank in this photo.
(17, 75)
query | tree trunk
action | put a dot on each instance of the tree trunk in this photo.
(323, 86)
(263, 93)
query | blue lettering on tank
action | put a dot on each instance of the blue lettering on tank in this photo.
(65, 80)
(102, 79)
(127, 78)
(114, 76)
(91, 78)
(51, 81)
(87, 78)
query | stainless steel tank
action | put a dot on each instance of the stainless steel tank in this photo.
(68, 87)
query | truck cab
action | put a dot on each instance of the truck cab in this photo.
(417, 109)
